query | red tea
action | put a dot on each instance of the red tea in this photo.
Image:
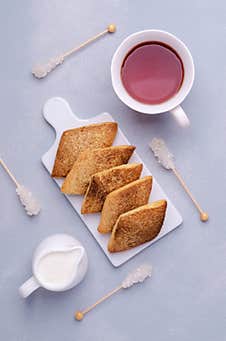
(152, 72)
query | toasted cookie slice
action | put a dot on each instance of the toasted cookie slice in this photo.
(123, 200)
(76, 140)
(93, 161)
(137, 226)
(103, 183)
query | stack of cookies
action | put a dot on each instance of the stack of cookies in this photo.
(94, 168)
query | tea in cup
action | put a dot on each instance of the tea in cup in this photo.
(152, 72)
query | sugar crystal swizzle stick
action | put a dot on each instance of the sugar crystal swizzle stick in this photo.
(27, 199)
(137, 276)
(166, 159)
(41, 71)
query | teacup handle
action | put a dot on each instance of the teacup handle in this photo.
(28, 287)
(180, 116)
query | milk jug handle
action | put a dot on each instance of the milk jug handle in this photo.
(28, 287)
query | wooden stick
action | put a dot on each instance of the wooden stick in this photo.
(80, 314)
(9, 172)
(41, 71)
(110, 29)
(203, 215)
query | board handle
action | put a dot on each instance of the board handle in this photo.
(58, 113)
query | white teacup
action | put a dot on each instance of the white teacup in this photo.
(173, 104)
(59, 263)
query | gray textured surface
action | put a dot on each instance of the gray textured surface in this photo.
(186, 299)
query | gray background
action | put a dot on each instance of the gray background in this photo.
(186, 298)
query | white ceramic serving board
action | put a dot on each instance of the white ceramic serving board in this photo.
(59, 114)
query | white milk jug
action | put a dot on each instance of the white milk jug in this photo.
(59, 263)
